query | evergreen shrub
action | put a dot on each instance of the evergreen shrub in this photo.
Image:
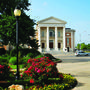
(2, 51)
(13, 60)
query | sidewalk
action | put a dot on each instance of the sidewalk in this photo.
(81, 71)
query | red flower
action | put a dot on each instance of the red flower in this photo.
(37, 86)
(21, 76)
(31, 81)
(8, 66)
(31, 67)
(47, 70)
(61, 76)
(31, 75)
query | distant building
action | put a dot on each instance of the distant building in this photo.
(53, 35)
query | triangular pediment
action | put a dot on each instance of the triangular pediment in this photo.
(52, 20)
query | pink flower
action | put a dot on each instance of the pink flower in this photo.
(29, 60)
(44, 69)
(31, 67)
(33, 63)
(39, 70)
(36, 68)
(1, 66)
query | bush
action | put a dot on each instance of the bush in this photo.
(5, 73)
(50, 56)
(24, 61)
(30, 55)
(39, 56)
(4, 59)
(39, 70)
(13, 60)
(25, 51)
(2, 51)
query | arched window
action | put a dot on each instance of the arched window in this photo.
(51, 33)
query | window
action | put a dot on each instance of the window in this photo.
(68, 41)
(51, 33)
(50, 40)
(42, 33)
(58, 33)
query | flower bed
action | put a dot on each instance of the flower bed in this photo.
(42, 74)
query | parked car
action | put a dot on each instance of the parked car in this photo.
(81, 53)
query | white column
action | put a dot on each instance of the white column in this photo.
(64, 43)
(56, 41)
(72, 42)
(48, 39)
(39, 39)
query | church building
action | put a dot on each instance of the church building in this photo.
(53, 35)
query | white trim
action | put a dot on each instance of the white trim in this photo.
(48, 39)
(64, 44)
(56, 47)
(51, 25)
(39, 39)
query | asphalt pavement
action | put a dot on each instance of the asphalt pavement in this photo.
(79, 67)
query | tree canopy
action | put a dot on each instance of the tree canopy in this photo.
(6, 5)
(83, 46)
(8, 23)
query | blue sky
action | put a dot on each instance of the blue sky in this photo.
(75, 12)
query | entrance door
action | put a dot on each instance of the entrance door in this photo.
(67, 49)
(43, 45)
(51, 44)
(59, 45)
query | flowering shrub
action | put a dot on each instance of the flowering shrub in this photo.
(64, 85)
(39, 70)
(5, 73)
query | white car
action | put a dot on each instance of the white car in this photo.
(81, 53)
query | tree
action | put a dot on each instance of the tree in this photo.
(78, 46)
(8, 25)
(88, 46)
(83, 46)
(6, 5)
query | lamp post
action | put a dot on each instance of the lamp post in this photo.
(17, 13)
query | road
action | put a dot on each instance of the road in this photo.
(79, 67)
(73, 59)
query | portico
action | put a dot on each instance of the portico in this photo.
(51, 34)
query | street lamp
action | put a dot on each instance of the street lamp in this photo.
(17, 13)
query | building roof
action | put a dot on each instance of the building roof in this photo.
(51, 20)
(69, 30)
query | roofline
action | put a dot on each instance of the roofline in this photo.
(39, 22)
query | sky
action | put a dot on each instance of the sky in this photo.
(75, 12)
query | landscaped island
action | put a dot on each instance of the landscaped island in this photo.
(39, 73)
